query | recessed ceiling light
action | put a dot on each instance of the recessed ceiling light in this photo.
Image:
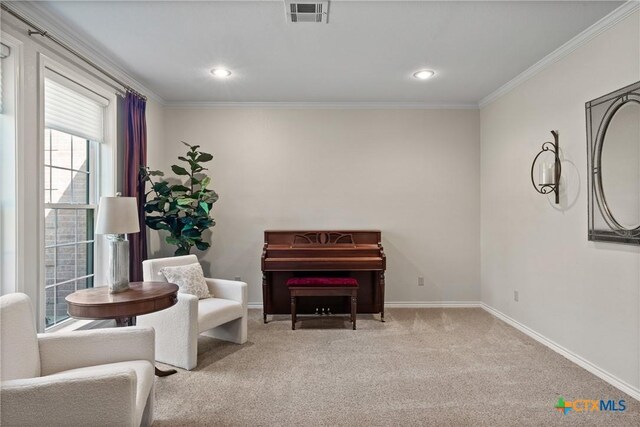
(424, 74)
(220, 72)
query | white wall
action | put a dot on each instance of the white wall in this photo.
(411, 173)
(585, 296)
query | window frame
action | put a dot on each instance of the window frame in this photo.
(17, 51)
(106, 164)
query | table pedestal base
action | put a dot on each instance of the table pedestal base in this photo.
(131, 321)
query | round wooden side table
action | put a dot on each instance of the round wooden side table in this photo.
(141, 298)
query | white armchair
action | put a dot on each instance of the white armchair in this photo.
(177, 328)
(98, 377)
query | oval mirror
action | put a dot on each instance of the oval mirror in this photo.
(620, 165)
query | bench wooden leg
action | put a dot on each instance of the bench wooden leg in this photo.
(354, 306)
(293, 313)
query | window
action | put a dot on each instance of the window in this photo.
(73, 132)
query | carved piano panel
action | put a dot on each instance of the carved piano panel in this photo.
(356, 253)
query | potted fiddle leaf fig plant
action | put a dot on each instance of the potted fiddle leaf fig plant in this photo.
(182, 209)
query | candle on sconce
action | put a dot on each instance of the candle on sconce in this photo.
(550, 170)
(547, 173)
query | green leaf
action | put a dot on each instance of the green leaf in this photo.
(179, 170)
(161, 188)
(152, 225)
(205, 181)
(163, 226)
(192, 232)
(179, 188)
(204, 157)
(202, 246)
(172, 240)
(204, 207)
(185, 201)
(149, 208)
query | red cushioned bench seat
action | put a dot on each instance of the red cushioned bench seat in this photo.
(323, 282)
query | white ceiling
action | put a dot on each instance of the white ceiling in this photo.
(366, 53)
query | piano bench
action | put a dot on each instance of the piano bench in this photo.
(323, 287)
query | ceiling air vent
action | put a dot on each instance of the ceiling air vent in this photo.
(306, 11)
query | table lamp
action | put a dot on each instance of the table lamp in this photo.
(118, 216)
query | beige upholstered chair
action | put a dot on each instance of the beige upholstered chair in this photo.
(101, 377)
(177, 328)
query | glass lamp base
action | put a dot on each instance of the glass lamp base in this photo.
(118, 263)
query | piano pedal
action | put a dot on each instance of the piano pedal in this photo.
(322, 311)
(317, 311)
(328, 312)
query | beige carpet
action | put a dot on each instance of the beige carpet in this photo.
(452, 367)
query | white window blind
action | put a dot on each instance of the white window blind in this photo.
(73, 109)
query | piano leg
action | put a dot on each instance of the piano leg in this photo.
(354, 308)
(265, 289)
(381, 290)
(293, 313)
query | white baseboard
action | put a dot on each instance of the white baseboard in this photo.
(412, 304)
(578, 360)
(432, 304)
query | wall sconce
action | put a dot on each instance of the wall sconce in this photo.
(549, 173)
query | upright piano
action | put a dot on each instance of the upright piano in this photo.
(354, 253)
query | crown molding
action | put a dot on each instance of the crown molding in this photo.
(321, 105)
(41, 17)
(585, 36)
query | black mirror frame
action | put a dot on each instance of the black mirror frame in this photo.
(597, 126)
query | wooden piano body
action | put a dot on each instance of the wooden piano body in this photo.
(354, 253)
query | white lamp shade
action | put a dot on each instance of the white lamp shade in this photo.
(117, 215)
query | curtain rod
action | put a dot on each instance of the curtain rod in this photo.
(41, 32)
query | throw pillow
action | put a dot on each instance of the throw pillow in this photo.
(189, 278)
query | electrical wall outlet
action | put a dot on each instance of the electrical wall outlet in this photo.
(238, 279)
(420, 281)
(516, 296)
